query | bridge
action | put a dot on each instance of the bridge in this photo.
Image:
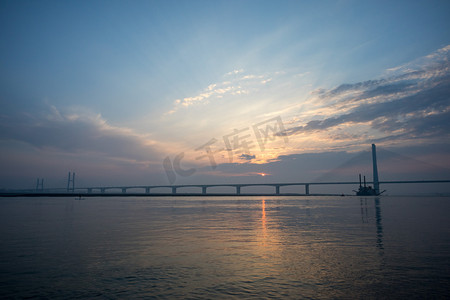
(277, 186)
(238, 187)
(202, 187)
(146, 190)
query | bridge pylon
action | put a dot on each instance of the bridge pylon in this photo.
(71, 182)
(40, 184)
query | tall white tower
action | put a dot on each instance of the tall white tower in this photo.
(376, 184)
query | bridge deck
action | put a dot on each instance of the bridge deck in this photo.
(146, 190)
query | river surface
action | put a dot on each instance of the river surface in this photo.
(225, 247)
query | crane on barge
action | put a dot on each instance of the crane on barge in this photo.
(368, 190)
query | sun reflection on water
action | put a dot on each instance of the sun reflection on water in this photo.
(263, 221)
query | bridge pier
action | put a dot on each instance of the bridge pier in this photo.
(124, 190)
(147, 190)
(174, 190)
(238, 190)
(307, 189)
(203, 190)
(277, 189)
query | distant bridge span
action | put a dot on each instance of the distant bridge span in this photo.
(146, 189)
(173, 188)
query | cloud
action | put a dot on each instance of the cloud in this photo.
(234, 84)
(410, 102)
(78, 131)
(234, 72)
(247, 157)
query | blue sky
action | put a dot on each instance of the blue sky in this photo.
(109, 89)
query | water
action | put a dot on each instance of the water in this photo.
(233, 247)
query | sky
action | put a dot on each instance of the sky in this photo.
(174, 92)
